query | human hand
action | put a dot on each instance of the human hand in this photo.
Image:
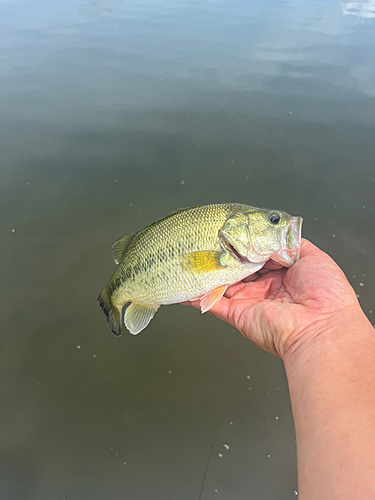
(279, 309)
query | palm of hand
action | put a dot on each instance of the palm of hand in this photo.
(282, 306)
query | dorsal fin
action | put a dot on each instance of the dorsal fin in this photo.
(119, 247)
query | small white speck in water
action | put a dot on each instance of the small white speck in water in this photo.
(220, 455)
(316, 218)
(295, 492)
(276, 417)
(182, 182)
(116, 454)
(370, 312)
(130, 204)
(124, 463)
(361, 284)
(364, 207)
(250, 388)
(248, 377)
(290, 112)
(169, 371)
(268, 455)
(216, 491)
(116, 180)
(230, 423)
(353, 275)
(333, 236)
(94, 355)
(225, 446)
(78, 347)
(358, 295)
(247, 177)
(334, 206)
(364, 275)
(277, 388)
(13, 230)
(27, 183)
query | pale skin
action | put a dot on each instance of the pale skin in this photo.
(310, 317)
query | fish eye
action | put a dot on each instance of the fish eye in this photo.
(274, 218)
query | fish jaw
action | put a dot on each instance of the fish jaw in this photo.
(290, 243)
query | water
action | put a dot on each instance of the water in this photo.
(112, 115)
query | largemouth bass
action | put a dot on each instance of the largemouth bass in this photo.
(194, 253)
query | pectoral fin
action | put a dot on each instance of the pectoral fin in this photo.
(138, 316)
(203, 262)
(212, 297)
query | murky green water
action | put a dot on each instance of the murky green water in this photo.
(113, 114)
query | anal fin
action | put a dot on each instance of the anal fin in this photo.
(138, 316)
(210, 298)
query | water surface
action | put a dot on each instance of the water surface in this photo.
(114, 114)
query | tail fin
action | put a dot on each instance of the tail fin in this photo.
(114, 317)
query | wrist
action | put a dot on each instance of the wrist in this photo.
(346, 327)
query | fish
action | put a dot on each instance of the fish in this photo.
(194, 254)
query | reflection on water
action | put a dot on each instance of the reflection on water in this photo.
(113, 115)
(364, 8)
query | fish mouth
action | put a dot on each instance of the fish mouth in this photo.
(290, 240)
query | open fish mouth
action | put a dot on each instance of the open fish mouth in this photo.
(290, 240)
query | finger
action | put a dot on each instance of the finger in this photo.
(271, 264)
(308, 248)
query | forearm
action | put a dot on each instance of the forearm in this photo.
(332, 388)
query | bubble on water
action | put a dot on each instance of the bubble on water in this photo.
(27, 183)
(216, 490)
(78, 347)
(276, 417)
(220, 455)
(333, 236)
(361, 284)
(182, 182)
(277, 388)
(353, 275)
(364, 275)
(334, 206)
(169, 371)
(358, 295)
(316, 218)
(370, 312)
(124, 463)
(130, 204)
(116, 180)
(364, 207)
(290, 112)
(268, 455)
(295, 492)
(248, 376)
(249, 388)
(232, 161)
(231, 423)
(13, 230)
(116, 454)
(247, 177)
(94, 355)
(225, 446)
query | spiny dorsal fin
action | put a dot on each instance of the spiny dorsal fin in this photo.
(119, 247)
(203, 262)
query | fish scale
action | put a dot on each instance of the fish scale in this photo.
(190, 254)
